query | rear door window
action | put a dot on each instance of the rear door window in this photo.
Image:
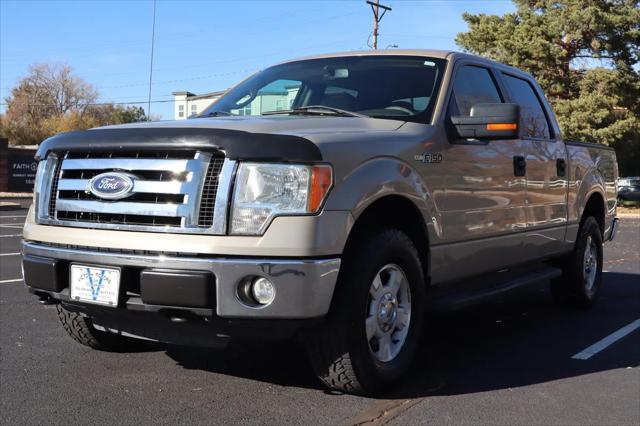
(533, 120)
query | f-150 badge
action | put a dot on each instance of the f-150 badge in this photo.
(428, 158)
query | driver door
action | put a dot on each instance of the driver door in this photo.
(484, 201)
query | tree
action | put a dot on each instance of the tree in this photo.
(584, 54)
(51, 99)
(47, 91)
(106, 114)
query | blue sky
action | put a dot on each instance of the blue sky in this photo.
(202, 46)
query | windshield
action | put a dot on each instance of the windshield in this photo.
(394, 87)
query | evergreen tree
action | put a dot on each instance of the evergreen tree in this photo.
(585, 54)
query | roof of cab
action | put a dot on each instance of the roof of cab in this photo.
(432, 53)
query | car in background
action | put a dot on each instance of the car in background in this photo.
(629, 190)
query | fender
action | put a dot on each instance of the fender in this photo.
(591, 183)
(380, 177)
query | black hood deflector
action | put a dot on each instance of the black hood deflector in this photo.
(237, 145)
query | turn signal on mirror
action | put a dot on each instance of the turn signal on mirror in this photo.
(502, 126)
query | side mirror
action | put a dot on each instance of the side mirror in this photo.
(489, 121)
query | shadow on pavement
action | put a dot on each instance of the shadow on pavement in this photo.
(516, 340)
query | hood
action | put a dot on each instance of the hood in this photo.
(294, 125)
(287, 138)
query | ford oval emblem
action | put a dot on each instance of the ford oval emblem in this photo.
(111, 185)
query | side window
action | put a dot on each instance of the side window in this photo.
(473, 85)
(533, 120)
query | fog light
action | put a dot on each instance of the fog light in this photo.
(263, 291)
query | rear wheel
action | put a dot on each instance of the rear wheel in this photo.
(81, 329)
(582, 269)
(374, 327)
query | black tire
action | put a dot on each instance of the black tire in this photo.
(339, 352)
(81, 329)
(574, 287)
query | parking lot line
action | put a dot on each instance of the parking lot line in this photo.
(9, 254)
(16, 226)
(11, 216)
(607, 341)
(11, 236)
(14, 280)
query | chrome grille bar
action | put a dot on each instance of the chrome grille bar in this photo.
(131, 164)
(140, 186)
(123, 207)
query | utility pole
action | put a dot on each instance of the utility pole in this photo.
(377, 17)
(153, 39)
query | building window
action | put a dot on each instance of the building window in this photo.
(246, 110)
(194, 108)
(181, 114)
(181, 108)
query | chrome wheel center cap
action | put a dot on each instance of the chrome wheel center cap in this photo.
(387, 311)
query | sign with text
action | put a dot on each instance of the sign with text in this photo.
(22, 172)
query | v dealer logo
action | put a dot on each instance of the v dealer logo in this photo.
(95, 288)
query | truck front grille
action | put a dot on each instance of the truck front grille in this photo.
(174, 191)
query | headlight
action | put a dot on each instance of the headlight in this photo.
(264, 191)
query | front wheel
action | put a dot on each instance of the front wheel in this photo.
(582, 269)
(374, 327)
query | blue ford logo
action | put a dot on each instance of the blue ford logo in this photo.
(111, 186)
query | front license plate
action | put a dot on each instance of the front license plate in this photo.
(95, 284)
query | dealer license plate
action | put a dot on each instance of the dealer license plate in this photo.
(94, 284)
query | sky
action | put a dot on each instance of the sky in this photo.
(203, 46)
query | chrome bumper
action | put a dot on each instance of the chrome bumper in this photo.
(304, 288)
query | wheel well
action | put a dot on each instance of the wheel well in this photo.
(595, 208)
(397, 212)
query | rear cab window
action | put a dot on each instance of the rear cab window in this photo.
(533, 119)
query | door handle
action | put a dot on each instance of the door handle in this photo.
(561, 167)
(519, 166)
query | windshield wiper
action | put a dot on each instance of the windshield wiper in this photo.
(316, 110)
(215, 114)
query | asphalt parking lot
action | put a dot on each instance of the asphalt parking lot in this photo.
(511, 361)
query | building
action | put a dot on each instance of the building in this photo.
(275, 96)
(187, 104)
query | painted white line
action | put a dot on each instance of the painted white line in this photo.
(11, 216)
(10, 236)
(15, 280)
(9, 254)
(16, 225)
(607, 341)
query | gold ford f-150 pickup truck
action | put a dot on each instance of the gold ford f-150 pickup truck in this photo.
(333, 199)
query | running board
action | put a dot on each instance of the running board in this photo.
(476, 290)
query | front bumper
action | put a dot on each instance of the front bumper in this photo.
(304, 288)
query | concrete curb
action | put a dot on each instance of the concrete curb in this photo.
(7, 205)
(15, 195)
(629, 215)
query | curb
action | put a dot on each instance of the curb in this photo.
(15, 195)
(628, 215)
(7, 205)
